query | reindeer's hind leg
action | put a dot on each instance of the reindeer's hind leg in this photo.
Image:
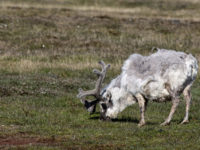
(187, 97)
(175, 102)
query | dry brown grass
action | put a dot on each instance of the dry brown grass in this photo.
(30, 66)
(139, 11)
(36, 36)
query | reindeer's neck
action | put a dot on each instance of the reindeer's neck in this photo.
(115, 82)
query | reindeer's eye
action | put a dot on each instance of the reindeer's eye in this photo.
(110, 103)
(109, 95)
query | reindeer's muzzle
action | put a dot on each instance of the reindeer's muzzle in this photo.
(103, 117)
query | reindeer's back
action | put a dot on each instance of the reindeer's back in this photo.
(157, 63)
(152, 72)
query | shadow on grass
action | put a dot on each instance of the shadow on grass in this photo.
(133, 120)
(128, 119)
(124, 119)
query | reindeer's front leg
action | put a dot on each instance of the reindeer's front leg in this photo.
(141, 102)
(175, 102)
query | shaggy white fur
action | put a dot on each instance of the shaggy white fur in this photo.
(150, 76)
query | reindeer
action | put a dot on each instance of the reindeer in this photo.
(160, 77)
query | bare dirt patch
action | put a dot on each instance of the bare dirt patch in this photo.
(19, 140)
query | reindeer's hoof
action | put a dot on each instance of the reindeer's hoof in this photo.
(165, 123)
(185, 122)
(141, 124)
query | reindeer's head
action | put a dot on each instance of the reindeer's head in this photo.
(112, 100)
(101, 97)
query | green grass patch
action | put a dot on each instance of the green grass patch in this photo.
(48, 51)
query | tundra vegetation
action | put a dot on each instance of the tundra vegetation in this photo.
(47, 51)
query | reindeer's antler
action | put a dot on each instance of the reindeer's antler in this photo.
(90, 106)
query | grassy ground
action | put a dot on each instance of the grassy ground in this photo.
(47, 51)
